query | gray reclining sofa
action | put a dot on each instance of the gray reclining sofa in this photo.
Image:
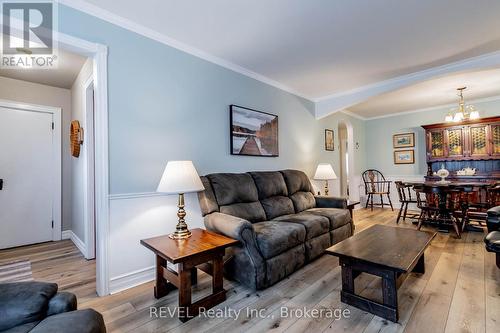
(280, 223)
(38, 307)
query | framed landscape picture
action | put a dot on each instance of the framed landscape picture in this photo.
(404, 156)
(253, 133)
(329, 142)
(403, 140)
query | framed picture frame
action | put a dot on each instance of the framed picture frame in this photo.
(404, 156)
(403, 140)
(329, 140)
(253, 132)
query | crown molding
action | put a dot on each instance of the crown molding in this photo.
(325, 105)
(352, 114)
(342, 100)
(164, 39)
(434, 108)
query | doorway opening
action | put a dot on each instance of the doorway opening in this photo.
(90, 237)
(344, 160)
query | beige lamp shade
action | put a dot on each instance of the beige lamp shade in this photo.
(180, 177)
(324, 171)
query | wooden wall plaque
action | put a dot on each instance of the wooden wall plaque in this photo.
(76, 137)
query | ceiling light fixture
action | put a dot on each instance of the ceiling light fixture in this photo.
(463, 112)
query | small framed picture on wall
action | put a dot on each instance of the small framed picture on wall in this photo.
(404, 156)
(403, 140)
(329, 142)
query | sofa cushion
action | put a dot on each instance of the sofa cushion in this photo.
(302, 201)
(269, 184)
(277, 206)
(338, 217)
(250, 211)
(275, 237)
(208, 203)
(81, 321)
(24, 302)
(315, 224)
(492, 241)
(230, 188)
(296, 181)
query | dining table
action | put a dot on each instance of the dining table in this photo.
(442, 189)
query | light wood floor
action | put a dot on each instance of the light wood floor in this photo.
(460, 291)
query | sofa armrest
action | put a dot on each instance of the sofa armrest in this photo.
(323, 201)
(81, 321)
(24, 302)
(236, 228)
(493, 219)
(228, 225)
(61, 302)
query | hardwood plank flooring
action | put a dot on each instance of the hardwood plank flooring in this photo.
(459, 292)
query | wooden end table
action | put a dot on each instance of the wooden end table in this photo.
(350, 206)
(388, 252)
(202, 247)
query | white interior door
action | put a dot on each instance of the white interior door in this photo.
(26, 167)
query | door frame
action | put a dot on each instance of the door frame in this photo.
(56, 159)
(99, 54)
(89, 173)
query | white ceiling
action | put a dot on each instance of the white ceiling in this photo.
(439, 91)
(69, 65)
(323, 47)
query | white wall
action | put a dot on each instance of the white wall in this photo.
(34, 93)
(135, 216)
(78, 164)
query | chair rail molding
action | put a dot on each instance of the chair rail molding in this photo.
(394, 191)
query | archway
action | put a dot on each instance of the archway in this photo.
(347, 182)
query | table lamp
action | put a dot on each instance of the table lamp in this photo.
(325, 172)
(180, 177)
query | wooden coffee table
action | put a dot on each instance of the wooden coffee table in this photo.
(191, 253)
(388, 252)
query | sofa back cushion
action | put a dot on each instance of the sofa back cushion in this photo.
(299, 189)
(230, 188)
(272, 193)
(208, 202)
(236, 195)
(269, 184)
(302, 201)
(277, 206)
(250, 211)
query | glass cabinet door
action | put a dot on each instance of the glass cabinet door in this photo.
(436, 144)
(495, 139)
(478, 140)
(455, 144)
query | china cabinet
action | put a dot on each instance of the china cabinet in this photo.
(474, 143)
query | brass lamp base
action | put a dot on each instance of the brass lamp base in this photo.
(181, 230)
(326, 187)
(180, 234)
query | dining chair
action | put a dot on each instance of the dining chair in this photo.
(425, 202)
(405, 198)
(478, 201)
(375, 184)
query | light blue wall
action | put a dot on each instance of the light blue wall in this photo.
(167, 105)
(379, 132)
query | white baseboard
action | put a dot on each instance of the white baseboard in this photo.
(132, 279)
(69, 234)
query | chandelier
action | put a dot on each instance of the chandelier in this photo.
(463, 112)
